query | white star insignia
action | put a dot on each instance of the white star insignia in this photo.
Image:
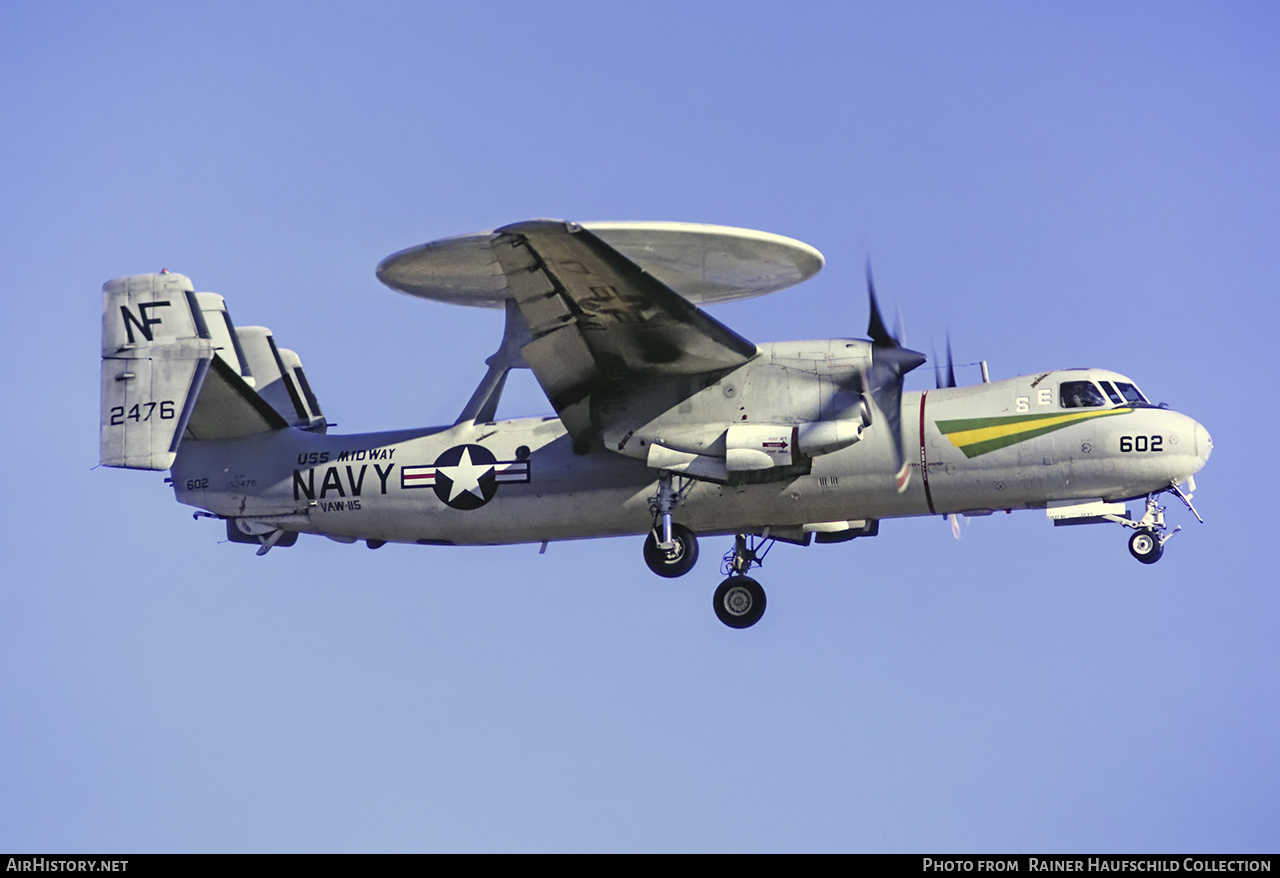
(465, 475)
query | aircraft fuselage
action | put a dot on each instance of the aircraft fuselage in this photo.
(1002, 445)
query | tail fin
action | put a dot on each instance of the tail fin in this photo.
(279, 378)
(156, 351)
(174, 367)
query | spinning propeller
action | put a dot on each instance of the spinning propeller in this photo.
(889, 362)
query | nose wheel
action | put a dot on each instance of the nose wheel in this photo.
(1150, 532)
(1145, 545)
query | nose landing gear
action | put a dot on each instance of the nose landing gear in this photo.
(1150, 532)
(1145, 545)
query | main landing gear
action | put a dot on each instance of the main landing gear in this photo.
(671, 550)
(674, 556)
(739, 602)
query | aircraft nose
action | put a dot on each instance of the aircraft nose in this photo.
(1204, 444)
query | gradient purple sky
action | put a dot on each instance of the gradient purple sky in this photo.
(1058, 184)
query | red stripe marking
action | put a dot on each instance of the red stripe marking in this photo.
(924, 461)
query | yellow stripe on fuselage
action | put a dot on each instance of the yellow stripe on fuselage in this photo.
(999, 431)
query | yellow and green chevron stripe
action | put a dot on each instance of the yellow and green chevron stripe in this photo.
(976, 436)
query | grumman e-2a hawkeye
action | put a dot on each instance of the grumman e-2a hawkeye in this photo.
(669, 425)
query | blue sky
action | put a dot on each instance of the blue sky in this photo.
(1056, 184)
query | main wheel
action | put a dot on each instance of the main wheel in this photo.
(739, 602)
(1145, 546)
(676, 561)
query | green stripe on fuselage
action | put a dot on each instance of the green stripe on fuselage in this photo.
(975, 436)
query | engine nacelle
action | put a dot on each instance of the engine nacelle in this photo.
(760, 446)
(823, 437)
(754, 447)
(763, 446)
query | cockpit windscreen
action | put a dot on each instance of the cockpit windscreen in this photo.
(1132, 394)
(1085, 394)
(1080, 394)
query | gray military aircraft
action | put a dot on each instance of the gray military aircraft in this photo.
(668, 425)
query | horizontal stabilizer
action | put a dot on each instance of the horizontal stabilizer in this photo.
(228, 407)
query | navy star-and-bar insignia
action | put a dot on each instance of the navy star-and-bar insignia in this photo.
(465, 476)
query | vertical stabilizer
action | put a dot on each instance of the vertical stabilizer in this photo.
(280, 380)
(156, 350)
(222, 332)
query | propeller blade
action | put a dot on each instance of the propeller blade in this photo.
(939, 380)
(951, 368)
(886, 390)
(884, 379)
(876, 330)
(889, 362)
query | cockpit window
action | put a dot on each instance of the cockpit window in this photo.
(1112, 393)
(1080, 394)
(1132, 395)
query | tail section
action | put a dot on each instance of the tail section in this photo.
(279, 379)
(174, 367)
(156, 350)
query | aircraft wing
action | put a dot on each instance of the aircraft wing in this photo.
(597, 318)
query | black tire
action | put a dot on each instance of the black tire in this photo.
(673, 562)
(1145, 546)
(739, 602)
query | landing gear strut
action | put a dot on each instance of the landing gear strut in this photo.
(739, 602)
(677, 557)
(1147, 542)
(670, 549)
(1150, 532)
